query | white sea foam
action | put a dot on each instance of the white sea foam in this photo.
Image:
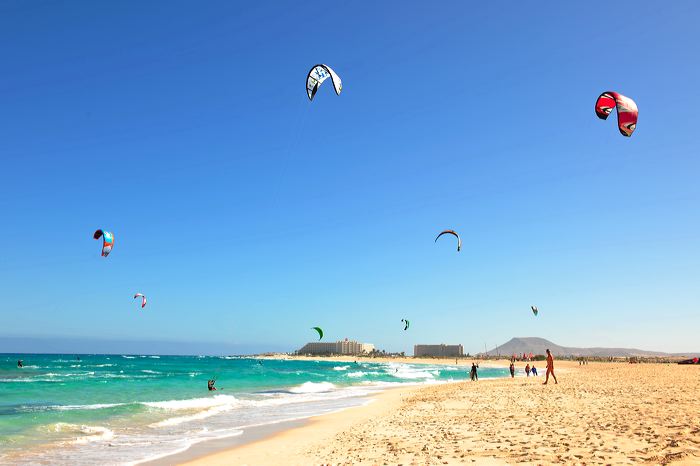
(90, 433)
(173, 421)
(93, 406)
(121, 375)
(186, 443)
(403, 371)
(356, 374)
(309, 392)
(192, 403)
(94, 434)
(28, 380)
(313, 387)
(68, 374)
(341, 368)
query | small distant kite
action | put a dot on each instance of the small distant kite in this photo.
(534, 309)
(143, 299)
(627, 111)
(317, 75)
(451, 232)
(107, 241)
(406, 324)
(319, 330)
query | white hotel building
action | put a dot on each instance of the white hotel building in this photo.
(346, 346)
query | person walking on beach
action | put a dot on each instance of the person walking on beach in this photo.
(534, 371)
(512, 370)
(550, 368)
(473, 374)
(527, 370)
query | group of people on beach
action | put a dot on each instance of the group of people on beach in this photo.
(473, 375)
(532, 370)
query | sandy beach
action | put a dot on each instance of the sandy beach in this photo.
(601, 413)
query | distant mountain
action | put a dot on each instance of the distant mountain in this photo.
(535, 345)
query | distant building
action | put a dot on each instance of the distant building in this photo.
(346, 346)
(438, 350)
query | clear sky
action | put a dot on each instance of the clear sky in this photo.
(248, 215)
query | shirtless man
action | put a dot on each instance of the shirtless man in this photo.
(550, 368)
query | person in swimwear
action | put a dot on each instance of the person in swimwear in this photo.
(550, 368)
(210, 385)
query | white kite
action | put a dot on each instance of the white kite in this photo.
(317, 75)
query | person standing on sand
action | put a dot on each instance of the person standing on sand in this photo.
(527, 370)
(534, 371)
(550, 368)
(512, 370)
(473, 374)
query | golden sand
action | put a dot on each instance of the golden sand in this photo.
(597, 414)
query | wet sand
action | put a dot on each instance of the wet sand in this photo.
(598, 414)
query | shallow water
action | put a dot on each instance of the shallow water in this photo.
(126, 409)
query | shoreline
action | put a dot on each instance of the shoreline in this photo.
(265, 449)
(208, 450)
(260, 447)
(598, 414)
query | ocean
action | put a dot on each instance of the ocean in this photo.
(127, 409)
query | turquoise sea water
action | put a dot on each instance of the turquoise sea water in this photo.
(125, 409)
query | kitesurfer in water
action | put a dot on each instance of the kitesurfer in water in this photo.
(210, 385)
(550, 368)
(19, 363)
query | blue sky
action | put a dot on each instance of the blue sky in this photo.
(248, 215)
